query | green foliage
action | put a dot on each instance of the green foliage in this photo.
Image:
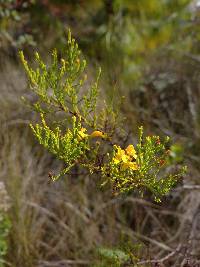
(59, 88)
(125, 255)
(176, 153)
(68, 147)
(147, 27)
(4, 230)
(7, 11)
(111, 257)
(58, 85)
(142, 167)
(5, 223)
(80, 133)
(11, 18)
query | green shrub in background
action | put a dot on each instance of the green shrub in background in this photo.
(148, 27)
(112, 257)
(12, 20)
(5, 223)
(83, 131)
(4, 230)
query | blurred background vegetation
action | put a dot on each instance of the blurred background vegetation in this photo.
(149, 51)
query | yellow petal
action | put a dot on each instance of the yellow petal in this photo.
(125, 158)
(129, 165)
(119, 154)
(97, 134)
(133, 166)
(116, 161)
(130, 150)
(82, 134)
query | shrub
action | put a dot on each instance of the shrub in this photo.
(84, 129)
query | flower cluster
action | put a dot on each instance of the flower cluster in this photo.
(125, 159)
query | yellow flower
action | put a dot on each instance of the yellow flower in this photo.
(97, 134)
(82, 134)
(120, 155)
(129, 165)
(124, 157)
(130, 150)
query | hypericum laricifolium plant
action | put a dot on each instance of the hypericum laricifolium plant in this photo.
(83, 131)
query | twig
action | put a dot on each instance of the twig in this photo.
(191, 187)
(167, 257)
(63, 263)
